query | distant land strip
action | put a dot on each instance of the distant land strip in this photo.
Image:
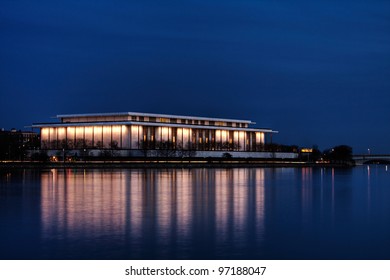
(196, 163)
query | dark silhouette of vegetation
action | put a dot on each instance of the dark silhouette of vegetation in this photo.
(146, 146)
(187, 151)
(227, 155)
(273, 147)
(111, 152)
(40, 155)
(339, 154)
(316, 155)
(166, 149)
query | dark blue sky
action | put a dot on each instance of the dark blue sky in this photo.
(317, 71)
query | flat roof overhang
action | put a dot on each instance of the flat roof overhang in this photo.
(152, 115)
(42, 125)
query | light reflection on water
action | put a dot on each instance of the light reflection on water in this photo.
(236, 213)
(80, 204)
(169, 208)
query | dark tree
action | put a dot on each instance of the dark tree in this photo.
(165, 149)
(339, 154)
(316, 154)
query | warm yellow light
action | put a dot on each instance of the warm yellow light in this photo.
(124, 129)
(107, 130)
(306, 150)
(164, 132)
(44, 133)
(53, 134)
(260, 137)
(134, 128)
(79, 132)
(71, 132)
(116, 129)
(61, 133)
(187, 131)
(88, 130)
(98, 129)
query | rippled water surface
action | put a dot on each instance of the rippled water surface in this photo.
(238, 213)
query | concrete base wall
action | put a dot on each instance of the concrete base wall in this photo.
(166, 153)
(246, 154)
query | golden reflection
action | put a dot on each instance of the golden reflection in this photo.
(184, 203)
(222, 194)
(164, 206)
(306, 189)
(168, 204)
(240, 200)
(260, 201)
(77, 203)
(237, 191)
(306, 192)
(135, 196)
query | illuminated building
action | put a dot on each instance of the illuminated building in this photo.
(142, 134)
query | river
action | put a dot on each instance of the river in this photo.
(214, 213)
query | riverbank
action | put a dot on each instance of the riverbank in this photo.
(196, 163)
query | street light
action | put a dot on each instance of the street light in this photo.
(368, 151)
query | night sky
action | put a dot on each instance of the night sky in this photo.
(316, 71)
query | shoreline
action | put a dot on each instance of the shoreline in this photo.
(195, 163)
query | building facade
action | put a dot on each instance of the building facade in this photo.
(140, 134)
(14, 144)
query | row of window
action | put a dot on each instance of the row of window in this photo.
(187, 121)
(156, 120)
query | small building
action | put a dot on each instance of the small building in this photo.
(142, 134)
(14, 144)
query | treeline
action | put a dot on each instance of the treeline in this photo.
(338, 154)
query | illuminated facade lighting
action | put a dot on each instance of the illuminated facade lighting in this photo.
(134, 133)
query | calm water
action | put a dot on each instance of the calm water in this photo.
(240, 213)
